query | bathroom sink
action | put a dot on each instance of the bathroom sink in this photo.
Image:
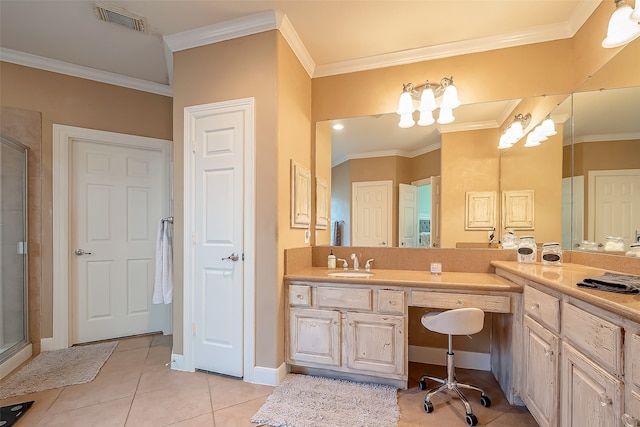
(351, 274)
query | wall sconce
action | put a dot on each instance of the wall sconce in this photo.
(624, 25)
(427, 93)
(515, 132)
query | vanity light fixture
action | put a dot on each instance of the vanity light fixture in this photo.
(624, 25)
(427, 94)
(515, 130)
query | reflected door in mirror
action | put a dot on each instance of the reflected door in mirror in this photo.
(371, 213)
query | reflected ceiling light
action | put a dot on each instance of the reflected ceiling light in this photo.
(533, 140)
(427, 94)
(515, 130)
(623, 25)
(338, 126)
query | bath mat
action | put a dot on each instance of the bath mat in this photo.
(58, 368)
(309, 401)
(12, 413)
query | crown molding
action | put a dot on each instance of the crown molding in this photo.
(241, 27)
(463, 127)
(47, 64)
(296, 44)
(608, 137)
(538, 34)
(388, 153)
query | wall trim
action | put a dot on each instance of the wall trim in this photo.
(55, 66)
(438, 356)
(16, 360)
(270, 376)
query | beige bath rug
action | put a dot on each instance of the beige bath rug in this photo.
(308, 401)
(58, 368)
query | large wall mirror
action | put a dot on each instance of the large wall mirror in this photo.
(597, 147)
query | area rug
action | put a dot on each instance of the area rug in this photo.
(58, 368)
(10, 414)
(308, 401)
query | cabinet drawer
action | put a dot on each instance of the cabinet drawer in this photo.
(390, 301)
(542, 307)
(489, 303)
(359, 299)
(634, 342)
(300, 295)
(594, 336)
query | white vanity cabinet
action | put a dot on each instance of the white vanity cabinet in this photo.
(631, 417)
(541, 354)
(356, 331)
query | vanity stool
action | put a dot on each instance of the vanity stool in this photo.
(461, 321)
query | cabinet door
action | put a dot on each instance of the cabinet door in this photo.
(590, 396)
(314, 336)
(375, 342)
(541, 361)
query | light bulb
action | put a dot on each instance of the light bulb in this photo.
(622, 28)
(426, 118)
(532, 140)
(515, 131)
(446, 116)
(427, 100)
(450, 98)
(406, 121)
(546, 128)
(504, 142)
(405, 105)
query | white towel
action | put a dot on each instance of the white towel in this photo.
(163, 286)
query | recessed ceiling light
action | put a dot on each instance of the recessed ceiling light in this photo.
(338, 126)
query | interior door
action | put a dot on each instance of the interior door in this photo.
(118, 195)
(407, 216)
(436, 192)
(372, 213)
(218, 242)
(614, 205)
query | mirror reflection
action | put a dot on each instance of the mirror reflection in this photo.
(606, 165)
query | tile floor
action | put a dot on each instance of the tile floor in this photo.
(135, 389)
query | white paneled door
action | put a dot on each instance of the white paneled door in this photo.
(217, 240)
(118, 195)
(408, 216)
(372, 206)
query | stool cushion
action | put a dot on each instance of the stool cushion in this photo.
(461, 321)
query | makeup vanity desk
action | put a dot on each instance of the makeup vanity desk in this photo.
(565, 352)
(356, 327)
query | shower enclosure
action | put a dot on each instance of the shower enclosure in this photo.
(13, 248)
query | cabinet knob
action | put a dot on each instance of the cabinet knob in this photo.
(535, 306)
(548, 352)
(300, 297)
(605, 401)
(459, 302)
(629, 421)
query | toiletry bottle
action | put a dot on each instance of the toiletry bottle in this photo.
(331, 260)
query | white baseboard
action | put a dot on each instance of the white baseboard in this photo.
(269, 376)
(47, 344)
(177, 362)
(16, 360)
(438, 356)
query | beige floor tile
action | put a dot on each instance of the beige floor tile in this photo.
(158, 357)
(134, 342)
(238, 415)
(205, 420)
(516, 417)
(127, 360)
(42, 402)
(162, 340)
(171, 404)
(108, 414)
(228, 391)
(163, 379)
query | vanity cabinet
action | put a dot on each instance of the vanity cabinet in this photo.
(631, 417)
(351, 330)
(541, 354)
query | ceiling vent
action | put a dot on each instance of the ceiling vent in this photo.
(120, 16)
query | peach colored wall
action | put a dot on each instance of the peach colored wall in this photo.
(470, 162)
(72, 101)
(234, 69)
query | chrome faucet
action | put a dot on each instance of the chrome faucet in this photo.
(345, 265)
(367, 266)
(356, 264)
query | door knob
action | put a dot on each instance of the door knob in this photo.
(233, 257)
(81, 252)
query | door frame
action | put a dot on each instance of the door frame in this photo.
(62, 138)
(191, 113)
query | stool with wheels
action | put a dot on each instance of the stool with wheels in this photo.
(462, 321)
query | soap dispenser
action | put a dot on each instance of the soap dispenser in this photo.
(331, 260)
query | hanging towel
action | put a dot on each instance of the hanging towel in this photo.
(612, 282)
(163, 286)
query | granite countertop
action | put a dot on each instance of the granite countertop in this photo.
(411, 278)
(564, 279)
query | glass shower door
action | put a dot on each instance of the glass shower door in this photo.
(13, 248)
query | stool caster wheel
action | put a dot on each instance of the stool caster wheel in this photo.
(485, 401)
(471, 419)
(428, 408)
(423, 384)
